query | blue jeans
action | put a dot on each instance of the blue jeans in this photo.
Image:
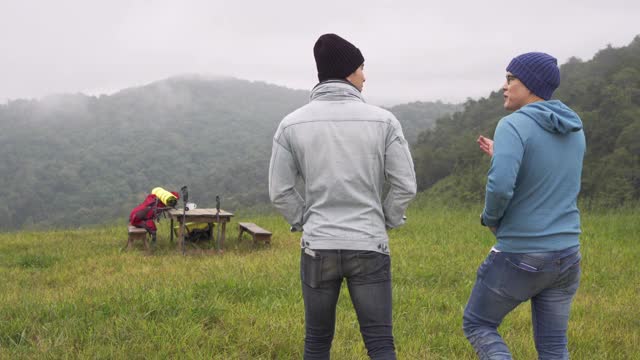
(368, 275)
(549, 279)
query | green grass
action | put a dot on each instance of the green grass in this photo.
(77, 294)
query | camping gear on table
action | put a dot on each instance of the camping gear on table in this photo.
(145, 214)
(167, 198)
(191, 206)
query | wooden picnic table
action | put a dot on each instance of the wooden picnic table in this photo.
(198, 215)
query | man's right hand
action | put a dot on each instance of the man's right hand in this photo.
(486, 145)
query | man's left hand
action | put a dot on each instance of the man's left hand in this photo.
(486, 145)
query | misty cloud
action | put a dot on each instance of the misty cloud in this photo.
(414, 50)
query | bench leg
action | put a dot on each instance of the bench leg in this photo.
(264, 238)
(240, 231)
(132, 237)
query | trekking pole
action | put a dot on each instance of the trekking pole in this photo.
(218, 221)
(185, 198)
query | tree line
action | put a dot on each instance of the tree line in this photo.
(73, 160)
(604, 91)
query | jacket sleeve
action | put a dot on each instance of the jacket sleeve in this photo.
(400, 174)
(282, 179)
(508, 150)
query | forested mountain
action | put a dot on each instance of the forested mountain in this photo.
(77, 160)
(604, 91)
(419, 116)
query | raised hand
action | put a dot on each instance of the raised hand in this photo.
(486, 145)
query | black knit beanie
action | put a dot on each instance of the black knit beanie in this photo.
(336, 58)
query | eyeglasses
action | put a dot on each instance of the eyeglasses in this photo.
(511, 78)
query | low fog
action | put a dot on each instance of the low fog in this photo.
(414, 50)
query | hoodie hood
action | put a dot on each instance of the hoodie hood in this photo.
(336, 90)
(553, 116)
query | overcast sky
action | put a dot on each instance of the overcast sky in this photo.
(414, 50)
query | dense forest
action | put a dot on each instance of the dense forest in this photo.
(604, 91)
(72, 160)
(419, 116)
(78, 160)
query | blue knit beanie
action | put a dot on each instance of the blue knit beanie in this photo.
(537, 71)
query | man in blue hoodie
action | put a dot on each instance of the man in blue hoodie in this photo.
(530, 206)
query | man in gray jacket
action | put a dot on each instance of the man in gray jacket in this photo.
(344, 151)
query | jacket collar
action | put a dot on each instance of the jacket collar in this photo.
(335, 90)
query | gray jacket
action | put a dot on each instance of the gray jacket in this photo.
(343, 150)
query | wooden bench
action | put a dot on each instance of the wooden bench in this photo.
(258, 233)
(137, 234)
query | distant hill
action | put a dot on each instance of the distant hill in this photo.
(604, 91)
(419, 116)
(77, 160)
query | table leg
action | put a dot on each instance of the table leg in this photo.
(224, 230)
(171, 231)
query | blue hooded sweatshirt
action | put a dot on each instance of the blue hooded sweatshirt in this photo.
(534, 180)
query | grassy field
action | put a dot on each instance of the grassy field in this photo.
(77, 294)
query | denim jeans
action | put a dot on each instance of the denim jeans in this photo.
(504, 280)
(368, 275)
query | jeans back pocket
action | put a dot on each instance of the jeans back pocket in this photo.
(371, 267)
(524, 276)
(311, 269)
(526, 262)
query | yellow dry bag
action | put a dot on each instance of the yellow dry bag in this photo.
(166, 197)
